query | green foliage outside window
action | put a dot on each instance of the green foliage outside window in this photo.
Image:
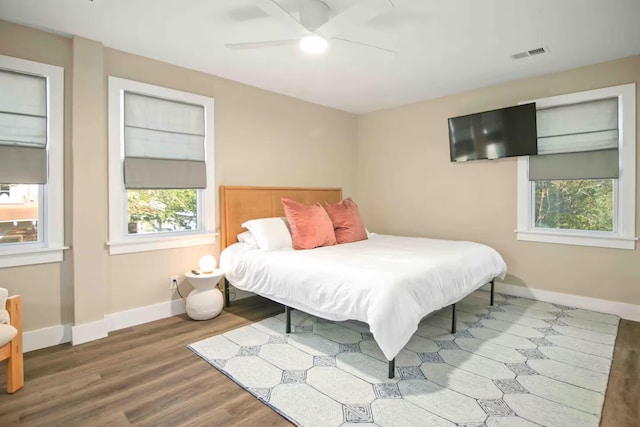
(574, 204)
(153, 211)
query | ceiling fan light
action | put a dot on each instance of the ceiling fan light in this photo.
(313, 44)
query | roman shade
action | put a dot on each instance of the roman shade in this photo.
(163, 143)
(23, 128)
(577, 141)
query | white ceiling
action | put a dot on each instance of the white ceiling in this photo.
(443, 46)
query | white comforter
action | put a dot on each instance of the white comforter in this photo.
(389, 282)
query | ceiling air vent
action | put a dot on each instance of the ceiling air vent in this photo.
(537, 51)
(532, 52)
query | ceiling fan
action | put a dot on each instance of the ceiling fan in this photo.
(318, 25)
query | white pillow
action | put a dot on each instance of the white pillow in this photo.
(247, 238)
(270, 233)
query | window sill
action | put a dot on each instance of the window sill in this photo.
(155, 243)
(579, 239)
(33, 256)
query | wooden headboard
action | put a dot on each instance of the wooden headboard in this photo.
(239, 204)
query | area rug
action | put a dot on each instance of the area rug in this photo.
(518, 363)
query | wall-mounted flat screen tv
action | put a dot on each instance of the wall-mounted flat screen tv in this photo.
(506, 132)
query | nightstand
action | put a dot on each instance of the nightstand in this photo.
(205, 300)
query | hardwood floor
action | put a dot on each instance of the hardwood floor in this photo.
(145, 375)
(622, 400)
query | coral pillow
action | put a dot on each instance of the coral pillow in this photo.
(347, 222)
(310, 226)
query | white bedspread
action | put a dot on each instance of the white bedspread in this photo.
(389, 282)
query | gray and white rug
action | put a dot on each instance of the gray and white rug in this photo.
(519, 363)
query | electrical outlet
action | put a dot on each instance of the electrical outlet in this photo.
(173, 282)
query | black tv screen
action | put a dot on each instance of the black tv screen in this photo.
(506, 132)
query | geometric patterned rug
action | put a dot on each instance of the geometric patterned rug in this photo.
(518, 363)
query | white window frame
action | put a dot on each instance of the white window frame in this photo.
(50, 245)
(120, 241)
(623, 236)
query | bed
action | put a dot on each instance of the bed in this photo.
(388, 282)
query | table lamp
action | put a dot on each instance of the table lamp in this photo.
(207, 264)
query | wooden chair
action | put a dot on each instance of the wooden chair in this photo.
(12, 351)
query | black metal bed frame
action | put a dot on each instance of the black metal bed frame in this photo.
(392, 362)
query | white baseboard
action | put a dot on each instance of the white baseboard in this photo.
(620, 309)
(89, 331)
(148, 313)
(86, 332)
(46, 337)
(237, 294)
(59, 334)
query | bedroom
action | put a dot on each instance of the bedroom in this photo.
(393, 161)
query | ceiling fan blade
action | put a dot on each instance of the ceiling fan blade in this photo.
(258, 45)
(356, 15)
(280, 13)
(384, 49)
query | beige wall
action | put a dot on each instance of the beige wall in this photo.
(89, 179)
(47, 289)
(398, 161)
(261, 138)
(407, 185)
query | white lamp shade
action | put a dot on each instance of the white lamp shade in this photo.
(207, 264)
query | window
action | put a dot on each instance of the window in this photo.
(31, 162)
(19, 217)
(156, 211)
(576, 204)
(161, 191)
(580, 188)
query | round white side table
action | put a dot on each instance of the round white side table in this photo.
(205, 300)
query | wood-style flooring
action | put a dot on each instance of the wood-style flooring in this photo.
(622, 399)
(145, 375)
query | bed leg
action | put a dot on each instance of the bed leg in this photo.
(392, 368)
(453, 318)
(287, 311)
(492, 288)
(227, 300)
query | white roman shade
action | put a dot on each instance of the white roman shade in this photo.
(23, 128)
(163, 143)
(577, 141)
